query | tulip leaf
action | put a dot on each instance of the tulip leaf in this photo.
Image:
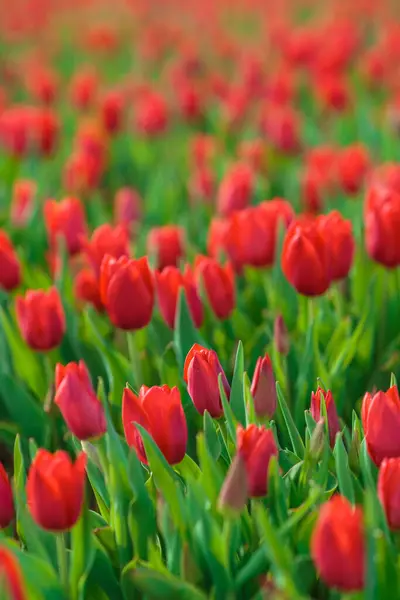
(156, 585)
(228, 414)
(237, 399)
(343, 470)
(295, 438)
(102, 575)
(212, 478)
(185, 333)
(211, 436)
(82, 551)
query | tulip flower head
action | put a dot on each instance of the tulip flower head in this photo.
(41, 319)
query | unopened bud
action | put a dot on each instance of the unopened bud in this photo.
(281, 336)
(263, 388)
(234, 492)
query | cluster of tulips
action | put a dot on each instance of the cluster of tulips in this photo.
(199, 300)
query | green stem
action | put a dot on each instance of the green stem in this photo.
(134, 358)
(62, 560)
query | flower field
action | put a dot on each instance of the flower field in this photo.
(199, 300)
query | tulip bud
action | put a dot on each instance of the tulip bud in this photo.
(256, 445)
(168, 284)
(234, 492)
(281, 336)
(236, 189)
(41, 319)
(219, 283)
(389, 490)
(263, 388)
(382, 213)
(7, 512)
(55, 489)
(67, 220)
(317, 414)
(106, 239)
(341, 245)
(78, 403)
(201, 371)
(338, 545)
(380, 415)
(10, 269)
(11, 580)
(167, 245)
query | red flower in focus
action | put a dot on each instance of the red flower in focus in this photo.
(353, 164)
(11, 579)
(10, 268)
(24, 191)
(338, 545)
(169, 281)
(7, 511)
(256, 445)
(41, 319)
(338, 233)
(159, 410)
(219, 284)
(167, 244)
(78, 403)
(380, 416)
(382, 222)
(236, 189)
(67, 220)
(106, 239)
(120, 281)
(151, 114)
(127, 206)
(55, 489)
(306, 258)
(317, 414)
(84, 87)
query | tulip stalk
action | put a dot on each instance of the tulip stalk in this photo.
(62, 560)
(134, 358)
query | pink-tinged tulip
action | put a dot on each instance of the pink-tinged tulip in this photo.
(55, 489)
(263, 388)
(65, 219)
(389, 490)
(201, 371)
(127, 206)
(106, 239)
(78, 403)
(167, 244)
(219, 284)
(380, 416)
(169, 282)
(11, 579)
(281, 336)
(317, 414)
(338, 545)
(256, 445)
(7, 512)
(10, 268)
(121, 281)
(159, 410)
(41, 319)
(23, 196)
(236, 189)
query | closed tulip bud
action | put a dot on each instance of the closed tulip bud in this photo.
(353, 166)
(317, 414)
(78, 403)
(10, 269)
(106, 239)
(65, 219)
(380, 416)
(7, 512)
(389, 490)
(281, 336)
(22, 201)
(256, 445)
(55, 489)
(306, 259)
(234, 492)
(338, 545)
(167, 244)
(11, 580)
(236, 189)
(127, 206)
(169, 281)
(87, 289)
(201, 371)
(338, 233)
(219, 284)
(120, 281)
(382, 222)
(41, 319)
(263, 388)
(159, 410)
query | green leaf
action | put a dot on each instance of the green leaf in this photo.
(237, 399)
(295, 438)
(228, 414)
(211, 436)
(82, 551)
(156, 585)
(343, 470)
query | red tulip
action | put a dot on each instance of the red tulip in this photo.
(338, 234)
(84, 87)
(11, 580)
(280, 124)
(353, 167)
(305, 258)
(122, 280)
(219, 284)
(317, 414)
(127, 206)
(151, 115)
(389, 490)
(338, 545)
(78, 403)
(28, 129)
(112, 109)
(167, 244)
(10, 268)
(256, 445)
(7, 512)
(201, 371)
(169, 281)
(332, 92)
(55, 489)
(81, 173)
(106, 239)
(202, 149)
(382, 222)
(263, 388)
(24, 192)
(65, 219)
(159, 410)
(87, 289)
(41, 319)
(254, 153)
(381, 421)
(201, 185)
(190, 102)
(235, 190)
